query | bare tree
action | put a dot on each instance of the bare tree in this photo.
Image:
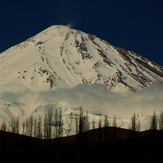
(31, 125)
(39, 127)
(115, 128)
(50, 115)
(4, 126)
(106, 122)
(60, 122)
(15, 125)
(56, 118)
(86, 121)
(23, 128)
(161, 121)
(82, 124)
(99, 133)
(9, 126)
(77, 123)
(35, 131)
(153, 124)
(133, 122)
(48, 123)
(114, 122)
(93, 124)
(138, 125)
(45, 126)
(27, 126)
(100, 123)
(94, 137)
(80, 120)
(13, 129)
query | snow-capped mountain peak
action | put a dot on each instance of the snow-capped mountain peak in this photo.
(63, 57)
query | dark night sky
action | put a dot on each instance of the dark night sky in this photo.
(136, 25)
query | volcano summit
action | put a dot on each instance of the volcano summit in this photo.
(62, 58)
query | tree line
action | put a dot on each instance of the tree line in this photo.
(51, 124)
(47, 127)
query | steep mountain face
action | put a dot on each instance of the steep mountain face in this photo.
(61, 57)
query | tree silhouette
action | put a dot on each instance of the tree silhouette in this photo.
(35, 133)
(23, 128)
(99, 136)
(135, 124)
(39, 127)
(31, 124)
(114, 122)
(114, 128)
(80, 120)
(153, 124)
(58, 122)
(4, 126)
(161, 121)
(48, 123)
(106, 122)
(93, 124)
(100, 123)
(14, 125)
(17, 125)
(77, 123)
(86, 125)
(56, 118)
(82, 123)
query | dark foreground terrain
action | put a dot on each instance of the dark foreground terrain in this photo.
(100, 145)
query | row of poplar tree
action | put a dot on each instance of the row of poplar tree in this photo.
(51, 125)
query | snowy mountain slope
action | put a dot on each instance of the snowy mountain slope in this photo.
(61, 57)
(59, 63)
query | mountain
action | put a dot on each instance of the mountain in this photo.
(62, 58)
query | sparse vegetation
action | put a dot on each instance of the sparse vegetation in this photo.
(135, 124)
(51, 125)
(153, 124)
(161, 121)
